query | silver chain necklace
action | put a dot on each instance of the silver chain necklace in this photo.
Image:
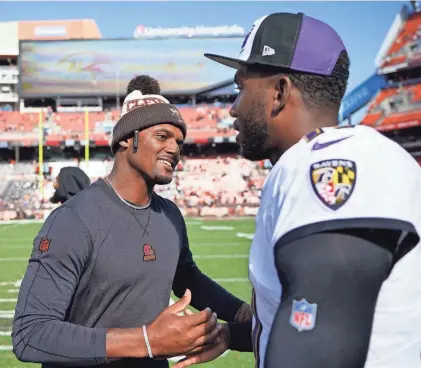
(124, 201)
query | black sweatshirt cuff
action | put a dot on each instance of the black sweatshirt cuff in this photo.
(240, 336)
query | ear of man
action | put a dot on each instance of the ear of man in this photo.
(282, 92)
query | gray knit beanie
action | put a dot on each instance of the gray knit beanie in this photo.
(141, 111)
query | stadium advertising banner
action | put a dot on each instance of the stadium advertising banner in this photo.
(104, 67)
(360, 96)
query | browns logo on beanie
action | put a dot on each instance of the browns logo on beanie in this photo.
(143, 108)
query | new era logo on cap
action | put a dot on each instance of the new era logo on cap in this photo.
(297, 42)
(247, 46)
(268, 51)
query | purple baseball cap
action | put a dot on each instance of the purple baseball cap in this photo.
(291, 41)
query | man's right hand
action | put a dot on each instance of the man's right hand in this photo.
(171, 334)
(209, 353)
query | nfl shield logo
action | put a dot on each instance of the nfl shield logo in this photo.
(303, 315)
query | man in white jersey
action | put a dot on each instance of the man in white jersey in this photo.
(334, 263)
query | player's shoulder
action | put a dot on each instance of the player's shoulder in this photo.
(93, 194)
(164, 203)
(167, 206)
(62, 220)
(358, 146)
(90, 202)
(62, 212)
(343, 157)
(361, 143)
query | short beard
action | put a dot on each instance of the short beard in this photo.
(255, 135)
(156, 179)
(151, 179)
(162, 180)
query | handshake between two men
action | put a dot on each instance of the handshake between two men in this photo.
(198, 336)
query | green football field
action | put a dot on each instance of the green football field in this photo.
(220, 249)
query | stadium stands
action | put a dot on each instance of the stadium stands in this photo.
(398, 106)
(203, 121)
(395, 105)
(211, 186)
(211, 180)
(405, 42)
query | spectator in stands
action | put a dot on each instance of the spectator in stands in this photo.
(69, 182)
(104, 263)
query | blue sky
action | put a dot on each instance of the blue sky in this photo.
(362, 25)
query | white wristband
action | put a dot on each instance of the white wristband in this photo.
(148, 346)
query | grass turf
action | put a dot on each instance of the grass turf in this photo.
(220, 249)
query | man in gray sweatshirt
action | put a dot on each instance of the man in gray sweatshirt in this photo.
(103, 265)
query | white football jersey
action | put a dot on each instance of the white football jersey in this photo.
(335, 178)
